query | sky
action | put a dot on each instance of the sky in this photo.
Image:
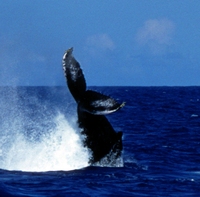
(117, 42)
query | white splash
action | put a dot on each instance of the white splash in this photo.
(58, 149)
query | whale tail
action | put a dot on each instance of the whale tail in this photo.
(92, 102)
(101, 138)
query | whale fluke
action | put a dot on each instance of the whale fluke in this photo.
(99, 104)
(92, 107)
(74, 75)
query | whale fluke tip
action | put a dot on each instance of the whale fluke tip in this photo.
(123, 104)
(68, 52)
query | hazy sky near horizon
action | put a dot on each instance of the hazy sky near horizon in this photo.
(117, 42)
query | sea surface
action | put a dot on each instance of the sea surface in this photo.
(41, 153)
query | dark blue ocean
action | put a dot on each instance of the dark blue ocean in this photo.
(41, 153)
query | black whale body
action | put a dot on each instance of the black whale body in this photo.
(92, 107)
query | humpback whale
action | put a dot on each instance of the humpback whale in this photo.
(99, 135)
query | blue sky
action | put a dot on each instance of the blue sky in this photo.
(117, 42)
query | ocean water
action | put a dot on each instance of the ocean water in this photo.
(41, 153)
